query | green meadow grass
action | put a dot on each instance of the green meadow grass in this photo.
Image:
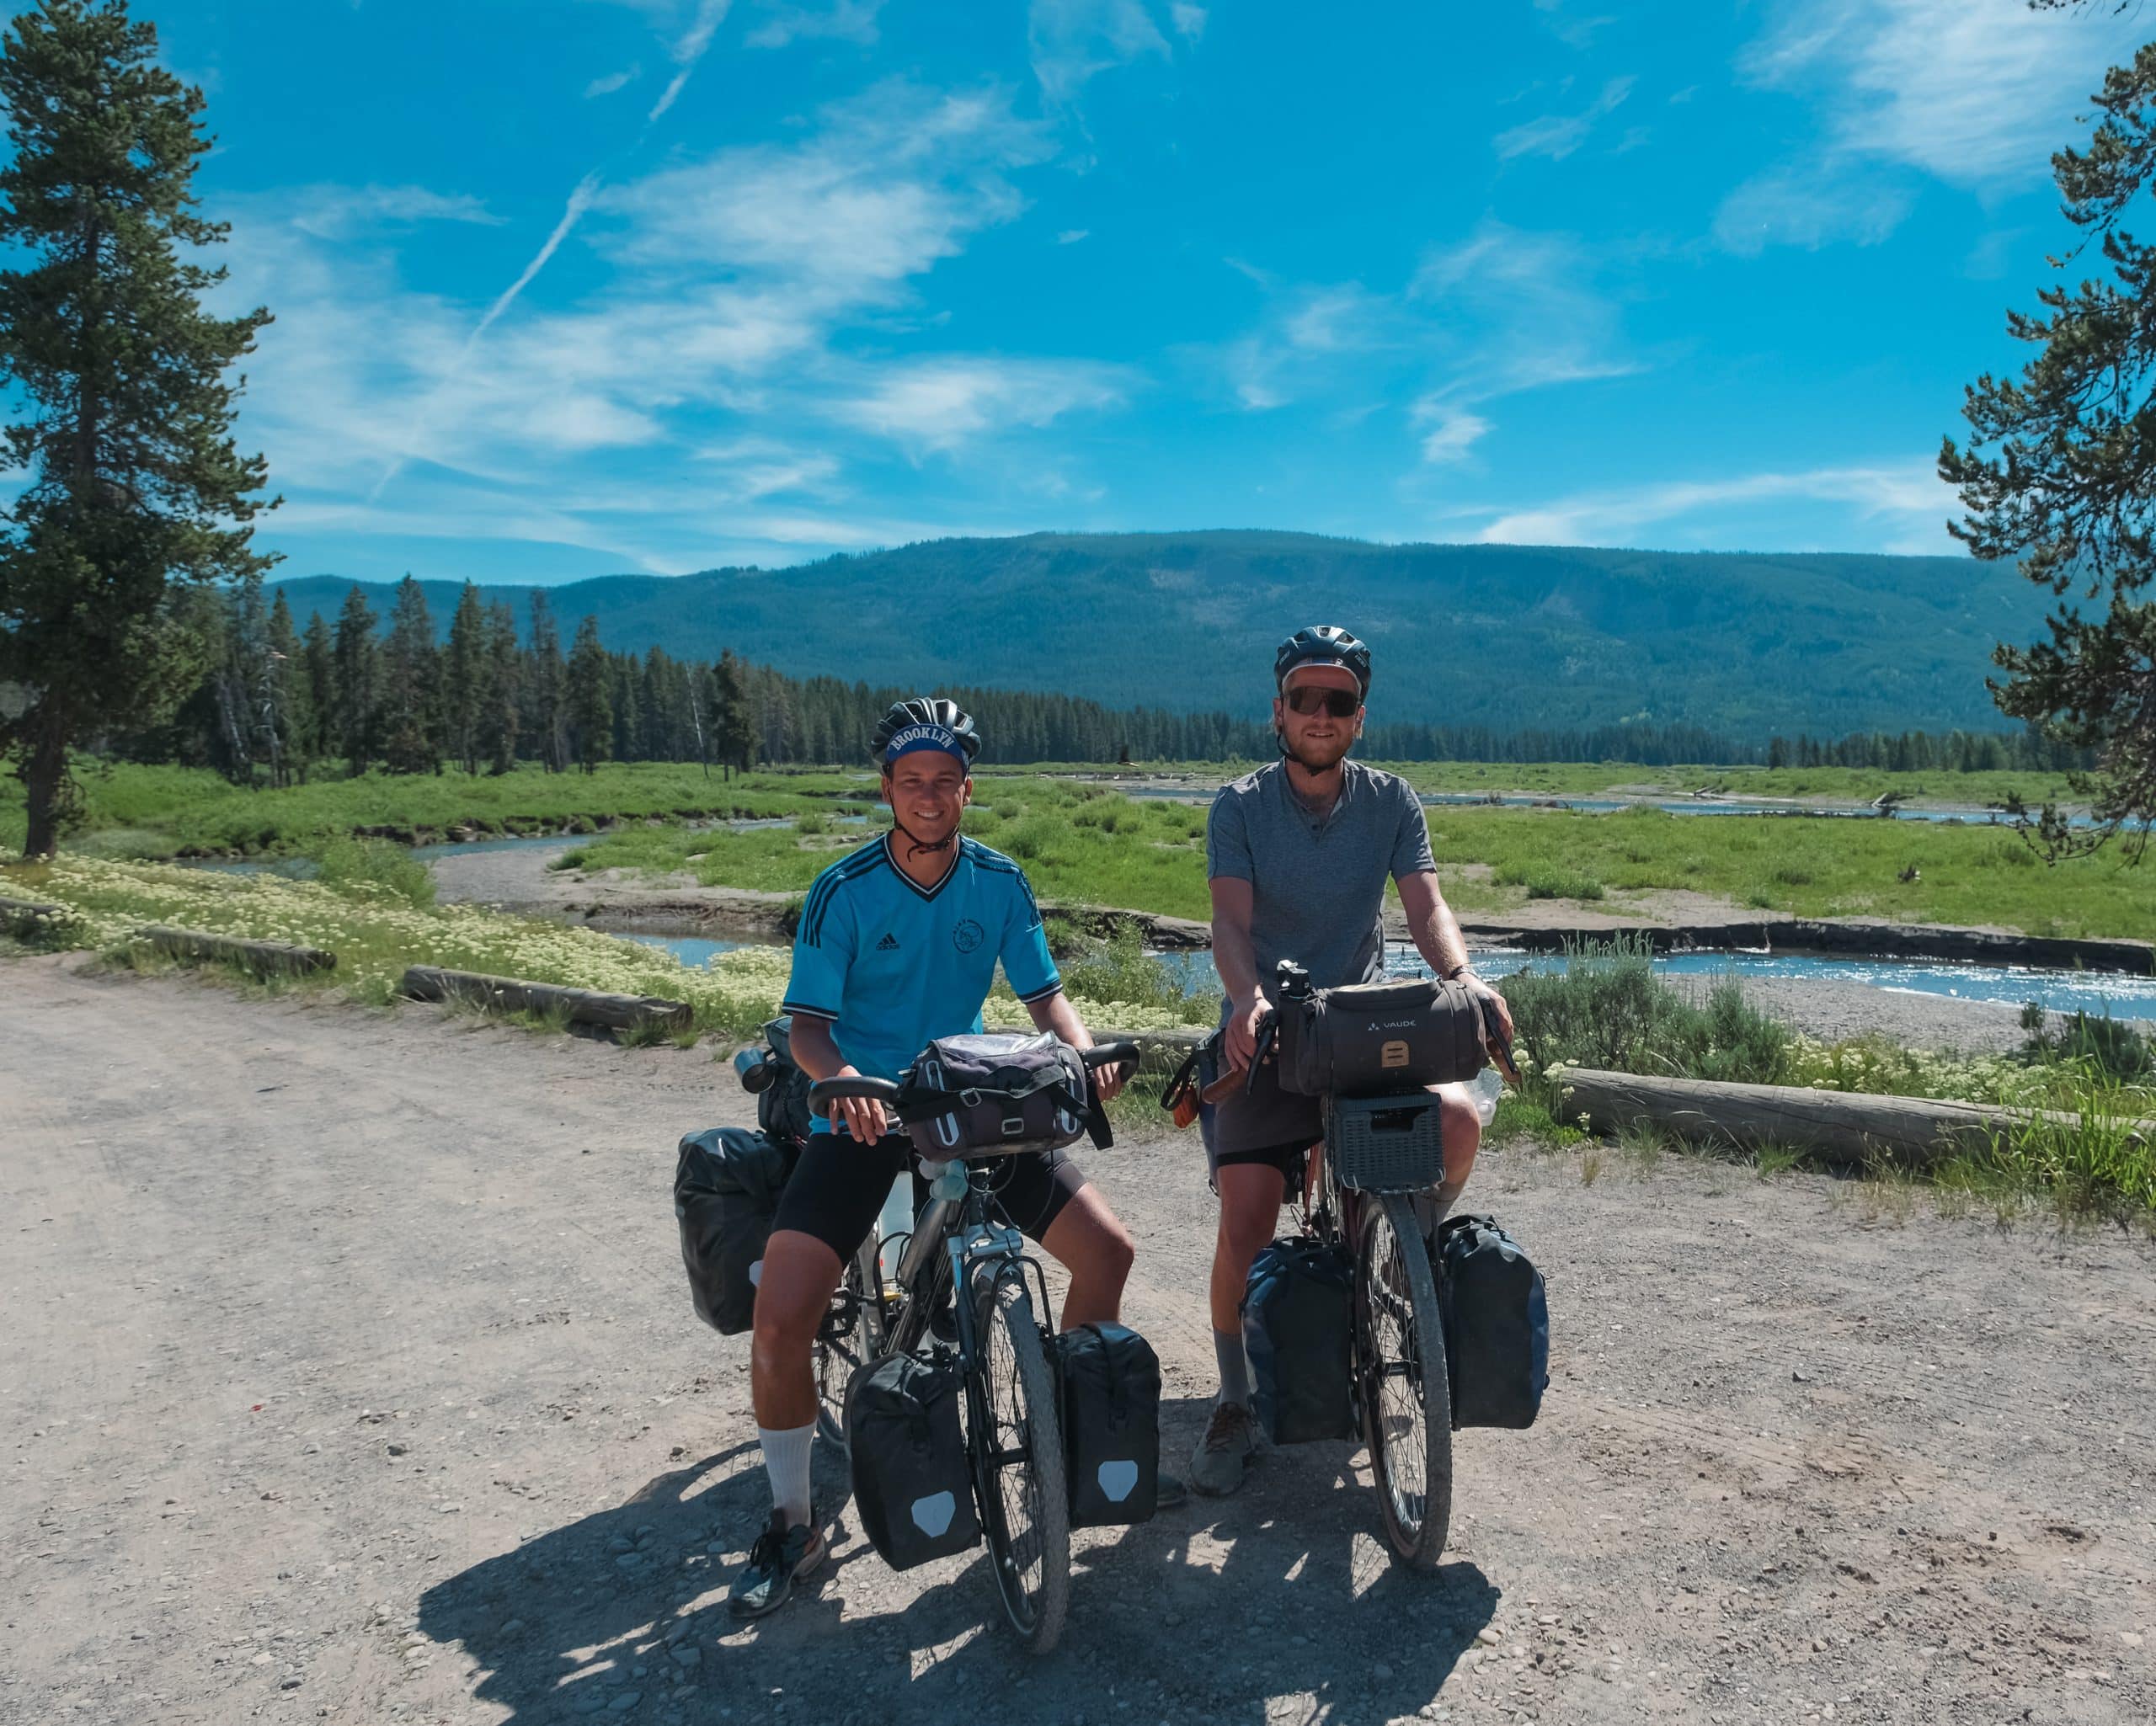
(134, 811)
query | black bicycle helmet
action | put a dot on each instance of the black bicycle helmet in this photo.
(1324, 644)
(924, 721)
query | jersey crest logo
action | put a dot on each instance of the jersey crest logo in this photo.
(889, 944)
(968, 934)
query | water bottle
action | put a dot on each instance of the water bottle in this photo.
(1484, 1090)
(895, 1220)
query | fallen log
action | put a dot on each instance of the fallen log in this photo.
(1845, 1128)
(16, 913)
(262, 958)
(433, 982)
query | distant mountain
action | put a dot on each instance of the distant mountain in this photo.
(1512, 637)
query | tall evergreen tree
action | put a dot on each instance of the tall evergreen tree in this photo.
(290, 721)
(410, 690)
(736, 723)
(590, 704)
(544, 684)
(136, 488)
(358, 704)
(2069, 485)
(465, 669)
(320, 658)
(499, 724)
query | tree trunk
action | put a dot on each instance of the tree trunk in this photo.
(43, 772)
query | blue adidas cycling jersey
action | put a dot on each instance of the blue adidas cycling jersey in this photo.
(893, 965)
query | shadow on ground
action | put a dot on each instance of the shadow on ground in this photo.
(1199, 1615)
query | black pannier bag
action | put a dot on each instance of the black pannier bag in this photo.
(1298, 1309)
(1369, 1038)
(782, 1108)
(1111, 1425)
(727, 1182)
(992, 1093)
(911, 1479)
(1497, 1324)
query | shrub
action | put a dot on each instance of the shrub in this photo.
(376, 865)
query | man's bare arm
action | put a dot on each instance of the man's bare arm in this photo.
(816, 1053)
(1235, 957)
(1436, 933)
(1054, 1012)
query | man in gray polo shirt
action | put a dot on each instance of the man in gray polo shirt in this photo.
(1298, 854)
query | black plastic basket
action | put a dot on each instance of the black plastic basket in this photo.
(1386, 1143)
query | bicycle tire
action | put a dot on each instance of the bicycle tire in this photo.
(1016, 1441)
(1403, 1382)
(850, 1336)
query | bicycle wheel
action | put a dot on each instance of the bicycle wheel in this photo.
(1017, 1453)
(1406, 1394)
(850, 1335)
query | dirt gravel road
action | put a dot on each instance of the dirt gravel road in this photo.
(348, 1374)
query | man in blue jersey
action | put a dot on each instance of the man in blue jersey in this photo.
(898, 945)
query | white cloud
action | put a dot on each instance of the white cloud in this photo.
(1978, 95)
(1452, 431)
(1071, 236)
(701, 369)
(1071, 40)
(337, 212)
(612, 82)
(840, 20)
(1903, 503)
(1809, 206)
(1530, 300)
(1979, 92)
(938, 404)
(1557, 135)
(1189, 20)
(689, 49)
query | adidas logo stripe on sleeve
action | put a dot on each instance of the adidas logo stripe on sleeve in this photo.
(893, 965)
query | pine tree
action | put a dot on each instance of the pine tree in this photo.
(136, 489)
(320, 658)
(504, 673)
(410, 684)
(2071, 488)
(357, 707)
(463, 695)
(544, 685)
(733, 724)
(589, 706)
(292, 720)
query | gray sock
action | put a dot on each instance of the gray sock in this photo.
(1234, 1366)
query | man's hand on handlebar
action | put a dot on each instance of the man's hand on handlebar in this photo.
(1243, 1026)
(864, 1117)
(1112, 1065)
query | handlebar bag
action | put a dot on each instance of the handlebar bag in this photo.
(990, 1094)
(727, 1181)
(1369, 1038)
(1297, 1311)
(1111, 1425)
(1495, 1315)
(911, 1481)
(782, 1108)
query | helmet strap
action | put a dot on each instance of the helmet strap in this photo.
(916, 847)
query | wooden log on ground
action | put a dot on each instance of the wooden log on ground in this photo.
(262, 958)
(1844, 1129)
(433, 982)
(17, 913)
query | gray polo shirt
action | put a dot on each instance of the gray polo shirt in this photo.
(1318, 886)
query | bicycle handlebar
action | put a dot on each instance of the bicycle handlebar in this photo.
(826, 1091)
(1110, 1054)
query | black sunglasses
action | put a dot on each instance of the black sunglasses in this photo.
(1341, 704)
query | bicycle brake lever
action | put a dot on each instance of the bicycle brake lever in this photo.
(1269, 1035)
(1500, 1047)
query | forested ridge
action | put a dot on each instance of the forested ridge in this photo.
(1506, 638)
(402, 693)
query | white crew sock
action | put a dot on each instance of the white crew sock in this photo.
(786, 1460)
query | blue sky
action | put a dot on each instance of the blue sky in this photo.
(595, 285)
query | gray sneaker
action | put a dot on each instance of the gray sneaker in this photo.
(1216, 1466)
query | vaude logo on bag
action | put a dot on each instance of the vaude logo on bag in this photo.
(932, 1515)
(1118, 1480)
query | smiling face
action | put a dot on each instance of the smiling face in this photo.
(1318, 740)
(928, 791)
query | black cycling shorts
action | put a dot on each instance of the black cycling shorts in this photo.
(837, 1188)
(1265, 1126)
